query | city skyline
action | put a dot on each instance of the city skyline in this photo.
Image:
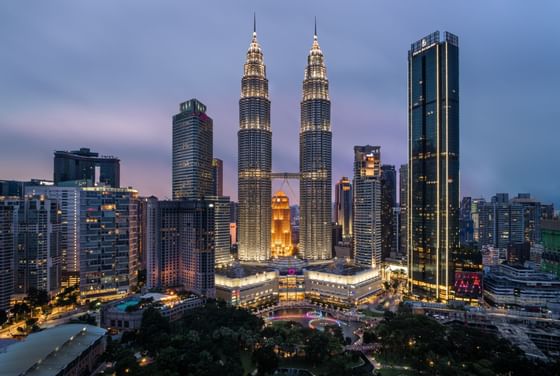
(368, 86)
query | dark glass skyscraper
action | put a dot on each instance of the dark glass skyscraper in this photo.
(343, 206)
(192, 151)
(315, 159)
(388, 202)
(255, 158)
(433, 156)
(85, 164)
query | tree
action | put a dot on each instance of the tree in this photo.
(154, 330)
(266, 360)
(3, 317)
(37, 298)
(20, 309)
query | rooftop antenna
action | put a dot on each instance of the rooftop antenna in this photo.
(315, 26)
(254, 22)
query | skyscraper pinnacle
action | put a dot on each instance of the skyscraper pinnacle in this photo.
(254, 23)
(315, 33)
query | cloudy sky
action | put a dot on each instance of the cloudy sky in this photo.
(109, 75)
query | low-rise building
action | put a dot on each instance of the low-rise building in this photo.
(127, 314)
(342, 285)
(247, 286)
(513, 286)
(72, 349)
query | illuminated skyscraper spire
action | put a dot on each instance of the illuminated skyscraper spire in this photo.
(255, 159)
(315, 159)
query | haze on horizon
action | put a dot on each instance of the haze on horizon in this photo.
(109, 76)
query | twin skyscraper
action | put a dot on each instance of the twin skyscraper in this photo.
(255, 159)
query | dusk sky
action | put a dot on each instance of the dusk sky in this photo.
(109, 75)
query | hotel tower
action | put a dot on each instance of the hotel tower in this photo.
(433, 164)
(255, 159)
(315, 144)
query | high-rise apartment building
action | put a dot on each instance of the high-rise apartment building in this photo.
(433, 163)
(367, 206)
(281, 226)
(68, 199)
(255, 159)
(108, 226)
(388, 203)
(500, 222)
(192, 151)
(343, 206)
(85, 164)
(221, 230)
(466, 224)
(315, 160)
(6, 254)
(531, 217)
(180, 246)
(217, 177)
(37, 244)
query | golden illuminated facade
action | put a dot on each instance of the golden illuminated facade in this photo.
(255, 159)
(315, 142)
(281, 226)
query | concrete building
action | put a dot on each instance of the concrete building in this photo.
(315, 160)
(87, 165)
(516, 287)
(403, 196)
(433, 164)
(108, 228)
(247, 286)
(181, 241)
(68, 199)
(6, 254)
(36, 231)
(65, 350)
(126, 314)
(551, 243)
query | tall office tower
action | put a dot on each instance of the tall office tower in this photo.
(37, 244)
(315, 160)
(6, 254)
(142, 218)
(343, 206)
(532, 214)
(217, 177)
(68, 198)
(281, 226)
(192, 151)
(501, 222)
(388, 202)
(466, 224)
(476, 204)
(108, 226)
(85, 164)
(15, 188)
(403, 197)
(222, 241)
(367, 206)
(255, 158)
(180, 247)
(433, 163)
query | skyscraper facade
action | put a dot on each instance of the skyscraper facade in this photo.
(6, 254)
(343, 206)
(388, 202)
(68, 199)
(315, 160)
(433, 162)
(281, 226)
(403, 197)
(192, 151)
(85, 164)
(180, 245)
(108, 227)
(255, 159)
(217, 177)
(367, 206)
(37, 244)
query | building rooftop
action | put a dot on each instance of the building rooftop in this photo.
(49, 351)
(243, 270)
(338, 268)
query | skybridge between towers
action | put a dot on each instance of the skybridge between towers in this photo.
(285, 175)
